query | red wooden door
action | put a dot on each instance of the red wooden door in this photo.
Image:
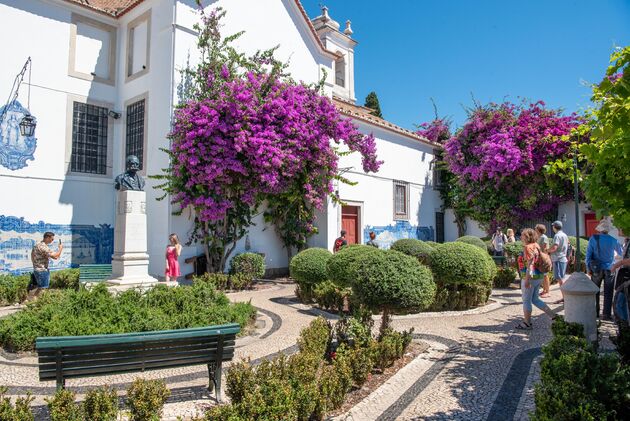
(590, 222)
(350, 223)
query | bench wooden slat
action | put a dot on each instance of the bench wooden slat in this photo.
(104, 353)
(116, 367)
(94, 272)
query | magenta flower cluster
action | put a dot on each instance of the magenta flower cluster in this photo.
(499, 155)
(255, 137)
(437, 131)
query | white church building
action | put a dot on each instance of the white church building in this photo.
(104, 81)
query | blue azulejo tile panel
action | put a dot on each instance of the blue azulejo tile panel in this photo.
(15, 149)
(82, 243)
(386, 235)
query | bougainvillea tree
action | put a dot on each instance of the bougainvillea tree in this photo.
(499, 158)
(249, 135)
(607, 181)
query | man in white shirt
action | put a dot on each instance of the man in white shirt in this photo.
(558, 254)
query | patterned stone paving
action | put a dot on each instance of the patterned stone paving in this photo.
(477, 366)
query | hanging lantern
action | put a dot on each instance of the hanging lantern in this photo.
(27, 125)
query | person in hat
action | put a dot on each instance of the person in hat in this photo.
(558, 253)
(600, 256)
(340, 242)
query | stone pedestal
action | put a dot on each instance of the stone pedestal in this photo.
(130, 262)
(579, 303)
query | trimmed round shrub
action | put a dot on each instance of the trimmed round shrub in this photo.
(341, 267)
(504, 277)
(392, 280)
(513, 249)
(309, 266)
(462, 263)
(414, 248)
(471, 239)
(251, 264)
(433, 244)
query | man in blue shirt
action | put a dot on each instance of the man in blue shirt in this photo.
(600, 256)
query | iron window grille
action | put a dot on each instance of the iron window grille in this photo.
(401, 200)
(89, 139)
(134, 144)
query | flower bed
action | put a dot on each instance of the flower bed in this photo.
(96, 311)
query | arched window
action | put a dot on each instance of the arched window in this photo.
(340, 72)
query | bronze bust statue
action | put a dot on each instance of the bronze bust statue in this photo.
(130, 179)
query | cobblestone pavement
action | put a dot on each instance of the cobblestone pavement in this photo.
(477, 366)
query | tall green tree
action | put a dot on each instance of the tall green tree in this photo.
(607, 183)
(371, 101)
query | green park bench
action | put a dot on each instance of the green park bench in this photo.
(65, 357)
(94, 273)
(500, 260)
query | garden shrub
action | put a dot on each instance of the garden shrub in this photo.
(504, 277)
(449, 297)
(513, 249)
(65, 279)
(309, 266)
(335, 381)
(96, 311)
(62, 406)
(471, 239)
(577, 382)
(329, 296)
(20, 411)
(219, 280)
(240, 281)
(146, 399)
(252, 264)
(355, 329)
(414, 248)
(360, 361)
(390, 280)
(433, 244)
(13, 289)
(461, 263)
(101, 404)
(341, 267)
(390, 347)
(315, 337)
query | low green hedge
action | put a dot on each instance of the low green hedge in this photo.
(65, 279)
(578, 383)
(309, 266)
(475, 241)
(13, 289)
(250, 264)
(96, 311)
(513, 249)
(415, 248)
(341, 267)
(504, 277)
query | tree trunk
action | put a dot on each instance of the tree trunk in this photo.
(385, 322)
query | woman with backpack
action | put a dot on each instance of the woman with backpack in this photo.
(536, 265)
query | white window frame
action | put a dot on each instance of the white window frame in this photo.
(400, 216)
(72, 56)
(344, 64)
(145, 17)
(145, 150)
(69, 126)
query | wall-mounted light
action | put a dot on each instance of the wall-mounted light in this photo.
(564, 217)
(114, 114)
(28, 123)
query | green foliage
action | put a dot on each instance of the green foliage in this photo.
(513, 249)
(223, 281)
(371, 101)
(65, 279)
(330, 297)
(314, 339)
(392, 280)
(96, 311)
(252, 264)
(13, 289)
(63, 408)
(391, 346)
(461, 263)
(415, 248)
(504, 277)
(309, 266)
(577, 383)
(146, 399)
(583, 246)
(341, 267)
(450, 297)
(359, 360)
(358, 330)
(475, 241)
(431, 243)
(20, 411)
(101, 404)
(606, 183)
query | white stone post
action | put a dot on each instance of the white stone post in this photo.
(130, 262)
(579, 303)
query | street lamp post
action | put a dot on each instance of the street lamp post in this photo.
(576, 194)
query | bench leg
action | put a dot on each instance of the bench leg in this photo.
(214, 384)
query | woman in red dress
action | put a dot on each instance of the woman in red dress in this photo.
(173, 250)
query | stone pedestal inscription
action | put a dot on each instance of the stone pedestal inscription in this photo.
(130, 262)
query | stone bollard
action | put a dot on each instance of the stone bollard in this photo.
(579, 303)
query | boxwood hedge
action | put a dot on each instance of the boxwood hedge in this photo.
(471, 239)
(462, 263)
(309, 266)
(341, 267)
(415, 248)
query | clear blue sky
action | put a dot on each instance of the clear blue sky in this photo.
(412, 50)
